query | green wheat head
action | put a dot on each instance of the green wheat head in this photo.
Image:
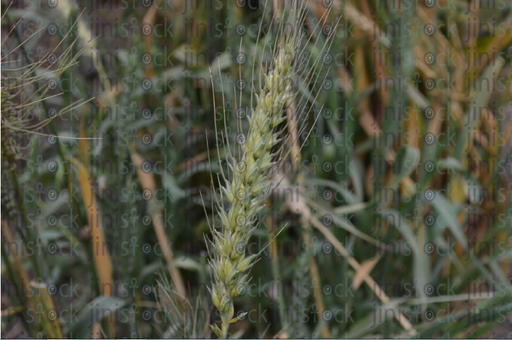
(260, 151)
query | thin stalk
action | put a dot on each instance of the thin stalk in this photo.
(277, 274)
(21, 209)
(10, 270)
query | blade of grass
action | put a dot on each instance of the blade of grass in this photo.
(148, 182)
(102, 260)
(298, 206)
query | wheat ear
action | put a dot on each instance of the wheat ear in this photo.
(249, 187)
(251, 180)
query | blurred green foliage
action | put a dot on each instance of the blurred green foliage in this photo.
(414, 104)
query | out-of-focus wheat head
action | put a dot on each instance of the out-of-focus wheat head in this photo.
(24, 87)
(183, 319)
(263, 149)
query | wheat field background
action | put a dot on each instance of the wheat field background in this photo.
(386, 163)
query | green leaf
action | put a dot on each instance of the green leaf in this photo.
(445, 209)
(104, 306)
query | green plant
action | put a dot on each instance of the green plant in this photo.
(359, 228)
(22, 88)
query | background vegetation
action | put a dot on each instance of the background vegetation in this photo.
(140, 98)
